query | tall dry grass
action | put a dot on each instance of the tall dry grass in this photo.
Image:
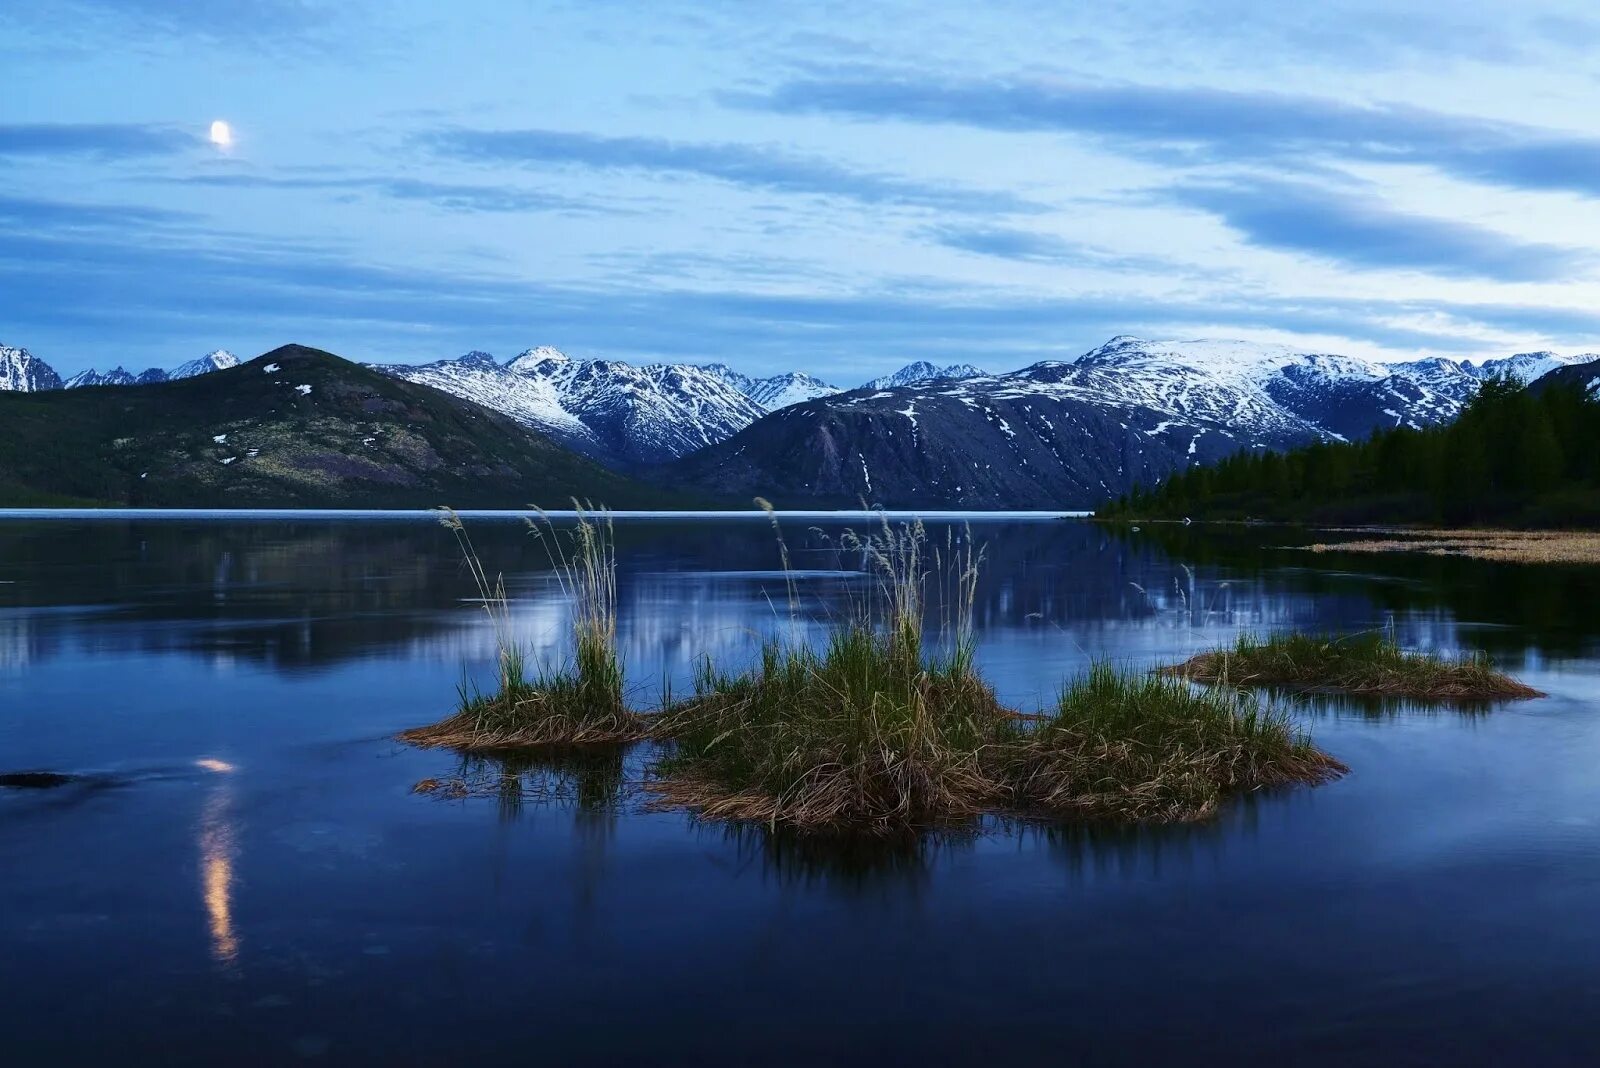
(870, 733)
(578, 702)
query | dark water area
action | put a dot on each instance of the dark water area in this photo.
(210, 852)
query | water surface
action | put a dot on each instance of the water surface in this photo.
(238, 872)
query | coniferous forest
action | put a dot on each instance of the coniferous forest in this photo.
(1516, 456)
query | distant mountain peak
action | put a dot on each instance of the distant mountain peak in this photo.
(774, 391)
(215, 360)
(117, 376)
(531, 361)
(23, 372)
(1527, 367)
(923, 371)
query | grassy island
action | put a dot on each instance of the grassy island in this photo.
(1368, 664)
(867, 734)
(879, 730)
(1156, 749)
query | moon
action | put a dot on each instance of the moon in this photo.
(221, 134)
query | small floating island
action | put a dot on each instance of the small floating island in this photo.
(875, 732)
(1368, 664)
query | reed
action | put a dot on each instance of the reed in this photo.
(871, 733)
(581, 701)
(1369, 664)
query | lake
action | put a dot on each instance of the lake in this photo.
(238, 871)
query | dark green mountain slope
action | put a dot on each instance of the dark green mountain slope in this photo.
(296, 427)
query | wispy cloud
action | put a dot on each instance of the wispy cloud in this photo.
(34, 213)
(446, 195)
(751, 166)
(215, 19)
(1028, 246)
(103, 140)
(113, 276)
(1213, 125)
(1363, 232)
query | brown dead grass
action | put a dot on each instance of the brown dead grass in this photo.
(1505, 546)
(528, 716)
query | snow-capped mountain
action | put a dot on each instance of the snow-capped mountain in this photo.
(1273, 390)
(23, 372)
(1585, 375)
(923, 371)
(117, 376)
(1062, 434)
(776, 391)
(218, 360)
(617, 412)
(1528, 367)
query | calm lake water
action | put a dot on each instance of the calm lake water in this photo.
(242, 875)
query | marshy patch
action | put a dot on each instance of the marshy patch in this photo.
(451, 788)
(590, 778)
(1503, 546)
(879, 732)
(1365, 665)
(1149, 749)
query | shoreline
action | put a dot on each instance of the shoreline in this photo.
(432, 514)
(1503, 546)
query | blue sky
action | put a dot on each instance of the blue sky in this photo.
(837, 187)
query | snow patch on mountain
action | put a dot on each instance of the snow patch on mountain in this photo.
(530, 399)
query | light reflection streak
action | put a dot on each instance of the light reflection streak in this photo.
(218, 850)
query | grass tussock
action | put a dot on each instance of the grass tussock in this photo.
(865, 735)
(1368, 664)
(871, 733)
(1152, 749)
(579, 703)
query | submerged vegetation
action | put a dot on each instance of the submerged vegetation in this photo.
(1368, 664)
(578, 703)
(882, 729)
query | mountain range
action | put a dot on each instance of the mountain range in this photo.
(628, 415)
(1071, 434)
(1055, 434)
(219, 360)
(296, 427)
